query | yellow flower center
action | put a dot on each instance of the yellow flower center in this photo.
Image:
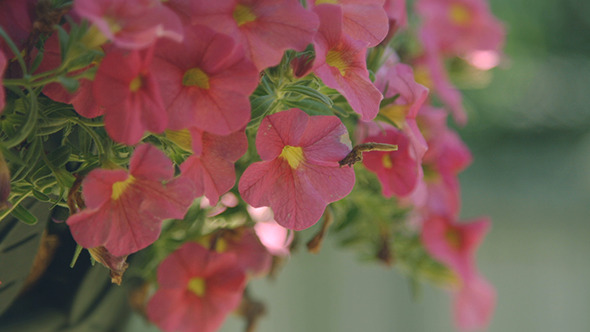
(221, 245)
(319, 2)
(453, 238)
(293, 155)
(197, 286)
(430, 174)
(136, 83)
(120, 186)
(459, 14)
(386, 160)
(243, 14)
(396, 113)
(335, 59)
(196, 77)
(422, 76)
(182, 138)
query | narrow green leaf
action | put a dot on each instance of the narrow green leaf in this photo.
(381, 117)
(36, 62)
(388, 101)
(309, 92)
(28, 126)
(76, 255)
(41, 196)
(23, 215)
(64, 39)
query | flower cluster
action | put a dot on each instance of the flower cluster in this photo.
(207, 132)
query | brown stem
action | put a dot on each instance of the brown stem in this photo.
(315, 244)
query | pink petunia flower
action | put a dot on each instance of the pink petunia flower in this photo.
(364, 20)
(398, 171)
(83, 98)
(205, 81)
(211, 167)
(454, 244)
(125, 209)
(127, 90)
(340, 63)
(446, 157)
(131, 24)
(398, 79)
(265, 28)
(474, 304)
(198, 288)
(460, 27)
(299, 174)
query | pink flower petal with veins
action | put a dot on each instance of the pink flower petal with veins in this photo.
(299, 175)
(361, 19)
(179, 305)
(131, 24)
(205, 81)
(212, 170)
(126, 88)
(265, 28)
(125, 210)
(398, 171)
(341, 64)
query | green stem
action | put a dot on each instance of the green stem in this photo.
(15, 50)
(33, 80)
(27, 129)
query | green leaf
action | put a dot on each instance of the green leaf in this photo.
(64, 178)
(41, 196)
(37, 61)
(309, 92)
(388, 101)
(260, 106)
(60, 156)
(309, 106)
(11, 157)
(23, 215)
(64, 39)
(70, 84)
(76, 255)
